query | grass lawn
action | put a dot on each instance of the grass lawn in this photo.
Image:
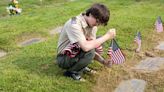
(33, 69)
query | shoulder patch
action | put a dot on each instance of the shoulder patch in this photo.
(73, 20)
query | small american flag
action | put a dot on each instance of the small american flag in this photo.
(115, 53)
(138, 41)
(71, 50)
(158, 24)
(138, 38)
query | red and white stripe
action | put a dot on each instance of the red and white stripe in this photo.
(159, 27)
(137, 40)
(71, 50)
(116, 56)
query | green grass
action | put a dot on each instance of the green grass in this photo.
(32, 68)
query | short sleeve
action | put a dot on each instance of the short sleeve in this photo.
(75, 32)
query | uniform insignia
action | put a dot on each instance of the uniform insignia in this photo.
(73, 21)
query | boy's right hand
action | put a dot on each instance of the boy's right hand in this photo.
(107, 62)
(111, 33)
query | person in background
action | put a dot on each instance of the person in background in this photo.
(77, 41)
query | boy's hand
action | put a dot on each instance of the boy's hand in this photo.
(111, 33)
(108, 62)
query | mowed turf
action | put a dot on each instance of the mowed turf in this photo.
(33, 68)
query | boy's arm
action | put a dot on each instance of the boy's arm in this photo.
(99, 58)
(91, 44)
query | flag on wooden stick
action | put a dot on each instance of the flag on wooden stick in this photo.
(115, 53)
(138, 41)
(158, 24)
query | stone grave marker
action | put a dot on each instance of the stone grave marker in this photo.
(150, 65)
(56, 30)
(2, 53)
(160, 46)
(72, 0)
(31, 41)
(133, 85)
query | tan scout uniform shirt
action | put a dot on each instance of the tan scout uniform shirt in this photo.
(75, 30)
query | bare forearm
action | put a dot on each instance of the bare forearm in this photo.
(88, 45)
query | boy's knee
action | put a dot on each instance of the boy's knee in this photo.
(91, 53)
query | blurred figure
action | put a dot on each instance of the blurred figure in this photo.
(13, 8)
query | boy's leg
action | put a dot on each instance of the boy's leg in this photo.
(76, 64)
(65, 61)
(85, 58)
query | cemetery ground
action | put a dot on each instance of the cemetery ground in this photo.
(33, 68)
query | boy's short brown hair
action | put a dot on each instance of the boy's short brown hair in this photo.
(100, 12)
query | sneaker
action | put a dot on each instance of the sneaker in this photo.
(73, 75)
(88, 70)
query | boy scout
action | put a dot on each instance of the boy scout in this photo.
(82, 30)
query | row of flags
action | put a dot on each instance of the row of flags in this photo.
(116, 55)
(114, 51)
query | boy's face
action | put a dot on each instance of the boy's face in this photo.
(92, 21)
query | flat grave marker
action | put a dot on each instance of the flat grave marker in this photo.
(150, 65)
(31, 41)
(2, 53)
(160, 46)
(133, 85)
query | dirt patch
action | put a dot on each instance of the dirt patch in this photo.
(109, 79)
(103, 82)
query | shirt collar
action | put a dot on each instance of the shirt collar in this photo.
(83, 21)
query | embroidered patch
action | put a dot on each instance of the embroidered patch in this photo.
(73, 21)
